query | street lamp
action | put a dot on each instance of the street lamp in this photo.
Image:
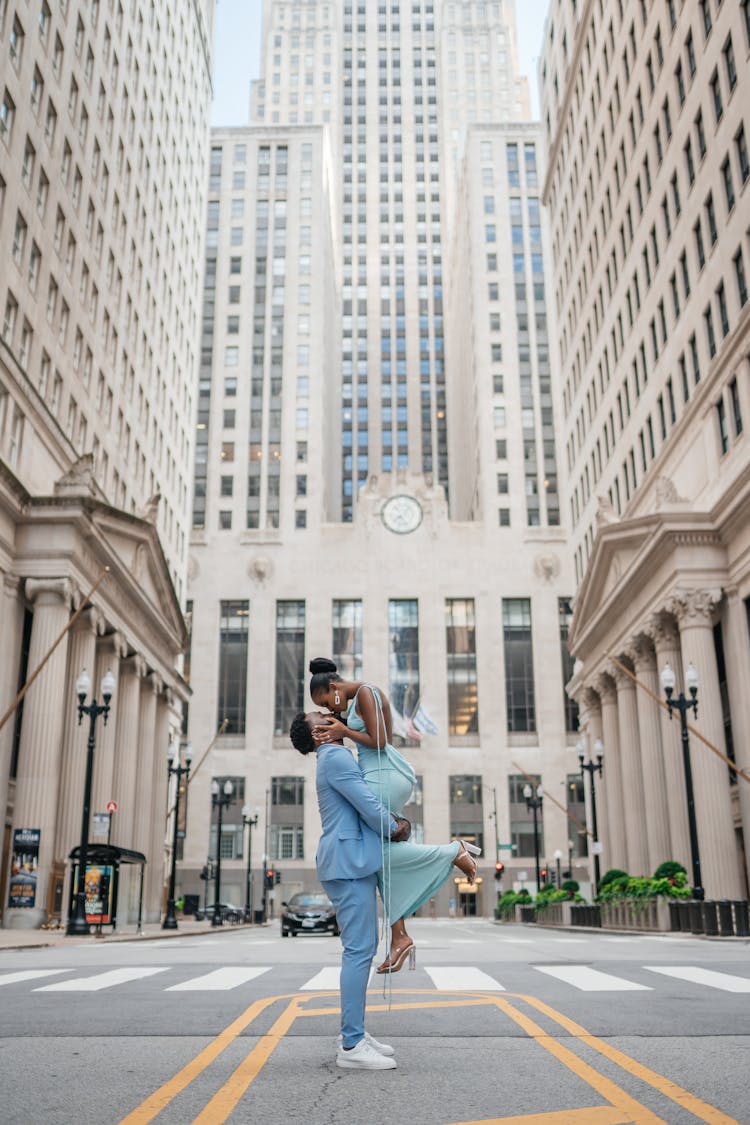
(220, 799)
(592, 768)
(251, 822)
(175, 769)
(534, 801)
(558, 858)
(77, 923)
(684, 705)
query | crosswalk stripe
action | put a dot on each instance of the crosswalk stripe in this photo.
(220, 980)
(591, 980)
(727, 982)
(30, 974)
(462, 978)
(100, 981)
(327, 980)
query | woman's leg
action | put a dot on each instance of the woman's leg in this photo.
(400, 944)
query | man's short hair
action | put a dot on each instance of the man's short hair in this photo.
(301, 735)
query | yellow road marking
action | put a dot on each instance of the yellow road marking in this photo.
(161, 1098)
(671, 1090)
(591, 1115)
(608, 1089)
(225, 1099)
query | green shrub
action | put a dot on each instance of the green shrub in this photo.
(609, 876)
(669, 869)
(571, 886)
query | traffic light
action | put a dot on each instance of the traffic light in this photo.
(499, 868)
(277, 878)
(270, 874)
(543, 875)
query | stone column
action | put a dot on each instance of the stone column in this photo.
(150, 688)
(655, 794)
(632, 776)
(159, 779)
(109, 652)
(613, 830)
(663, 631)
(11, 630)
(593, 711)
(38, 775)
(127, 737)
(81, 654)
(720, 867)
(738, 678)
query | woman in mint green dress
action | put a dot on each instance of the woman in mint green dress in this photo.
(412, 873)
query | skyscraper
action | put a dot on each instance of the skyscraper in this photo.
(645, 114)
(376, 298)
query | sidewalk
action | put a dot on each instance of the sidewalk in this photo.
(42, 939)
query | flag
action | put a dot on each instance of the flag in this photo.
(398, 722)
(412, 732)
(423, 722)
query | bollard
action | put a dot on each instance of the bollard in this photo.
(696, 917)
(726, 922)
(709, 919)
(741, 920)
(674, 915)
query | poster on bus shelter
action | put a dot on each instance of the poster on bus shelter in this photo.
(23, 867)
(99, 887)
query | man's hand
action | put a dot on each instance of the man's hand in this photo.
(403, 832)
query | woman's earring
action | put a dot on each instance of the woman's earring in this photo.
(337, 699)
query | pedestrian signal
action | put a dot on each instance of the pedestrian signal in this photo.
(499, 868)
(270, 874)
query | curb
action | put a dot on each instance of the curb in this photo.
(117, 939)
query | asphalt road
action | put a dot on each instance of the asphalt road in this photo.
(495, 1024)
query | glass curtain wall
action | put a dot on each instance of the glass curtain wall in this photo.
(290, 663)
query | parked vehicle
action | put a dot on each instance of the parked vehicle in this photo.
(228, 912)
(308, 913)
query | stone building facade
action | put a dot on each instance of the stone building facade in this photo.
(645, 114)
(103, 146)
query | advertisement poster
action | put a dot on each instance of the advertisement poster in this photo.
(99, 887)
(23, 867)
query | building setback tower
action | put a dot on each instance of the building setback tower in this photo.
(347, 383)
(103, 144)
(646, 121)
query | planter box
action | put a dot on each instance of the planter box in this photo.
(651, 914)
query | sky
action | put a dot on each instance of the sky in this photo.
(237, 54)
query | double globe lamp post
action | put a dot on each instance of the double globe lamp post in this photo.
(221, 798)
(77, 923)
(592, 768)
(250, 822)
(682, 705)
(534, 801)
(177, 770)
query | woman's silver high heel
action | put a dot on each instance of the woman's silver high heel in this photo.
(470, 850)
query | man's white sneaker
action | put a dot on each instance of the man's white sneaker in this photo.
(381, 1048)
(363, 1057)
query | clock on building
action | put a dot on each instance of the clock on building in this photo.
(401, 514)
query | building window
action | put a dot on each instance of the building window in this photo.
(290, 663)
(576, 809)
(233, 665)
(460, 637)
(565, 614)
(232, 828)
(521, 818)
(466, 809)
(347, 638)
(403, 631)
(734, 395)
(287, 791)
(519, 664)
(721, 418)
(287, 841)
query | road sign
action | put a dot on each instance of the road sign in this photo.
(523, 876)
(597, 848)
(111, 807)
(101, 826)
(506, 847)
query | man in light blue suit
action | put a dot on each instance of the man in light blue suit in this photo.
(348, 859)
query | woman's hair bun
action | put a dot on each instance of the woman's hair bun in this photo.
(321, 664)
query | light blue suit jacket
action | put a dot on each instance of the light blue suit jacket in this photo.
(352, 818)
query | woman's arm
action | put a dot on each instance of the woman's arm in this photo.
(333, 730)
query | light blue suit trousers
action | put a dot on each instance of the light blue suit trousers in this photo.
(348, 859)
